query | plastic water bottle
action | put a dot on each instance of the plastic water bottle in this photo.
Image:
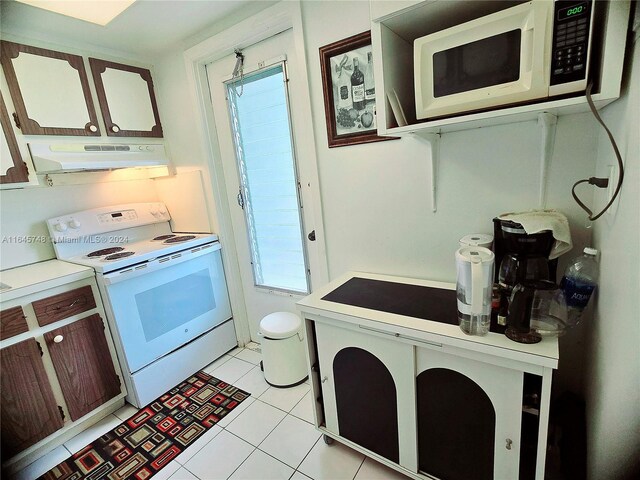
(578, 283)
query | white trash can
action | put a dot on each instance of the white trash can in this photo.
(283, 356)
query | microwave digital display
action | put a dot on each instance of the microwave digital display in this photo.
(575, 10)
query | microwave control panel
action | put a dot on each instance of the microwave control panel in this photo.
(571, 35)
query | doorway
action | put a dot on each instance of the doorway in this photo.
(255, 117)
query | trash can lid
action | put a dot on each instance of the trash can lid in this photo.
(280, 325)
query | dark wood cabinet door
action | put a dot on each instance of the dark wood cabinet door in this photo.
(29, 409)
(83, 365)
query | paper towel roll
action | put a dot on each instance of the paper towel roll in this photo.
(476, 240)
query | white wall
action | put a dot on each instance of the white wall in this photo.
(613, 352)
(24, 211)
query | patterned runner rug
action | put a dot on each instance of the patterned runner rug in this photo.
(141, 446)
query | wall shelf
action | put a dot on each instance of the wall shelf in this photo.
(393, 31)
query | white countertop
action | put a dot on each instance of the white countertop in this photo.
(543, 353)
(39, 276)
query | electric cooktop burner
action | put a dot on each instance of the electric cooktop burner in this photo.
(105, 251)
(180, 239)
(162, 237)
(118, 256)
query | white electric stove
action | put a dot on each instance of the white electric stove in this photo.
(164, 292)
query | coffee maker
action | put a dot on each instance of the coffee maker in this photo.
(520, 259)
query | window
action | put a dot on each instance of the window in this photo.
(261, 127)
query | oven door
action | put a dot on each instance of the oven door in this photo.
(495, 60)
(160, 305)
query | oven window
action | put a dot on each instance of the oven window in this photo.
(483, 63)
(175, 303)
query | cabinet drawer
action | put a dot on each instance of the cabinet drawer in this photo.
(12, 322)
(64, 305)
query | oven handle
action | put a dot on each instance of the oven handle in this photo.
(159, 263)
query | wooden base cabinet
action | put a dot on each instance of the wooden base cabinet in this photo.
(59, 370)
(29, 409)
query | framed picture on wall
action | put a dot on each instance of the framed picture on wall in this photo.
(349, 91)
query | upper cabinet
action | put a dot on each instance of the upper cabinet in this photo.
(50, 91)
(12, 168)
(52, 96)
(127, 101)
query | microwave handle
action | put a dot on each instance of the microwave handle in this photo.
(527, 49)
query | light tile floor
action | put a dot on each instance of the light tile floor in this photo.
(269, 436)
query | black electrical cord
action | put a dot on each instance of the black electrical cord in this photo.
(600, 182)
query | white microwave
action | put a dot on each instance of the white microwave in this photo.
(526, 53)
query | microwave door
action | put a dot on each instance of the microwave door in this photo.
(495, 60)
(175, 301)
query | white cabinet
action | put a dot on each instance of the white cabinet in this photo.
(416, 393)
(470, 412)
(12, 168)
(368, 390)
(127, 99)
(63, 104)
(50, 91)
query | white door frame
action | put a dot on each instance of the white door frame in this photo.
(271, 21)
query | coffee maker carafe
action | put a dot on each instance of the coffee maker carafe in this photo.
(521, 258)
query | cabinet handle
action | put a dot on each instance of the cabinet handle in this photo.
(115, 128)
(399, 335)
(93, 128)
(509, 443)
(58, 339)
(324, 379)
(71, 305)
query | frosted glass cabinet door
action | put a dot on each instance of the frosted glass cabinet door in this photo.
(12, 168)
(126, 98)
(50, 91)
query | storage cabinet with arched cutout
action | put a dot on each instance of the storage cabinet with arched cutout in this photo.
(395, 378)
(468, 416)
(368, 391)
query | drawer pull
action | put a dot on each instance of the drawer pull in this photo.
(70, 305)
(509, 443)
(58, 339)
(324, 379)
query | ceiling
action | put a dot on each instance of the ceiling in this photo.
(147, 28)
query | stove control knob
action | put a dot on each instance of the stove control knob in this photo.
(60, 226)
(74, 223)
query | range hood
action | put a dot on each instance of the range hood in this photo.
(59, 158)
